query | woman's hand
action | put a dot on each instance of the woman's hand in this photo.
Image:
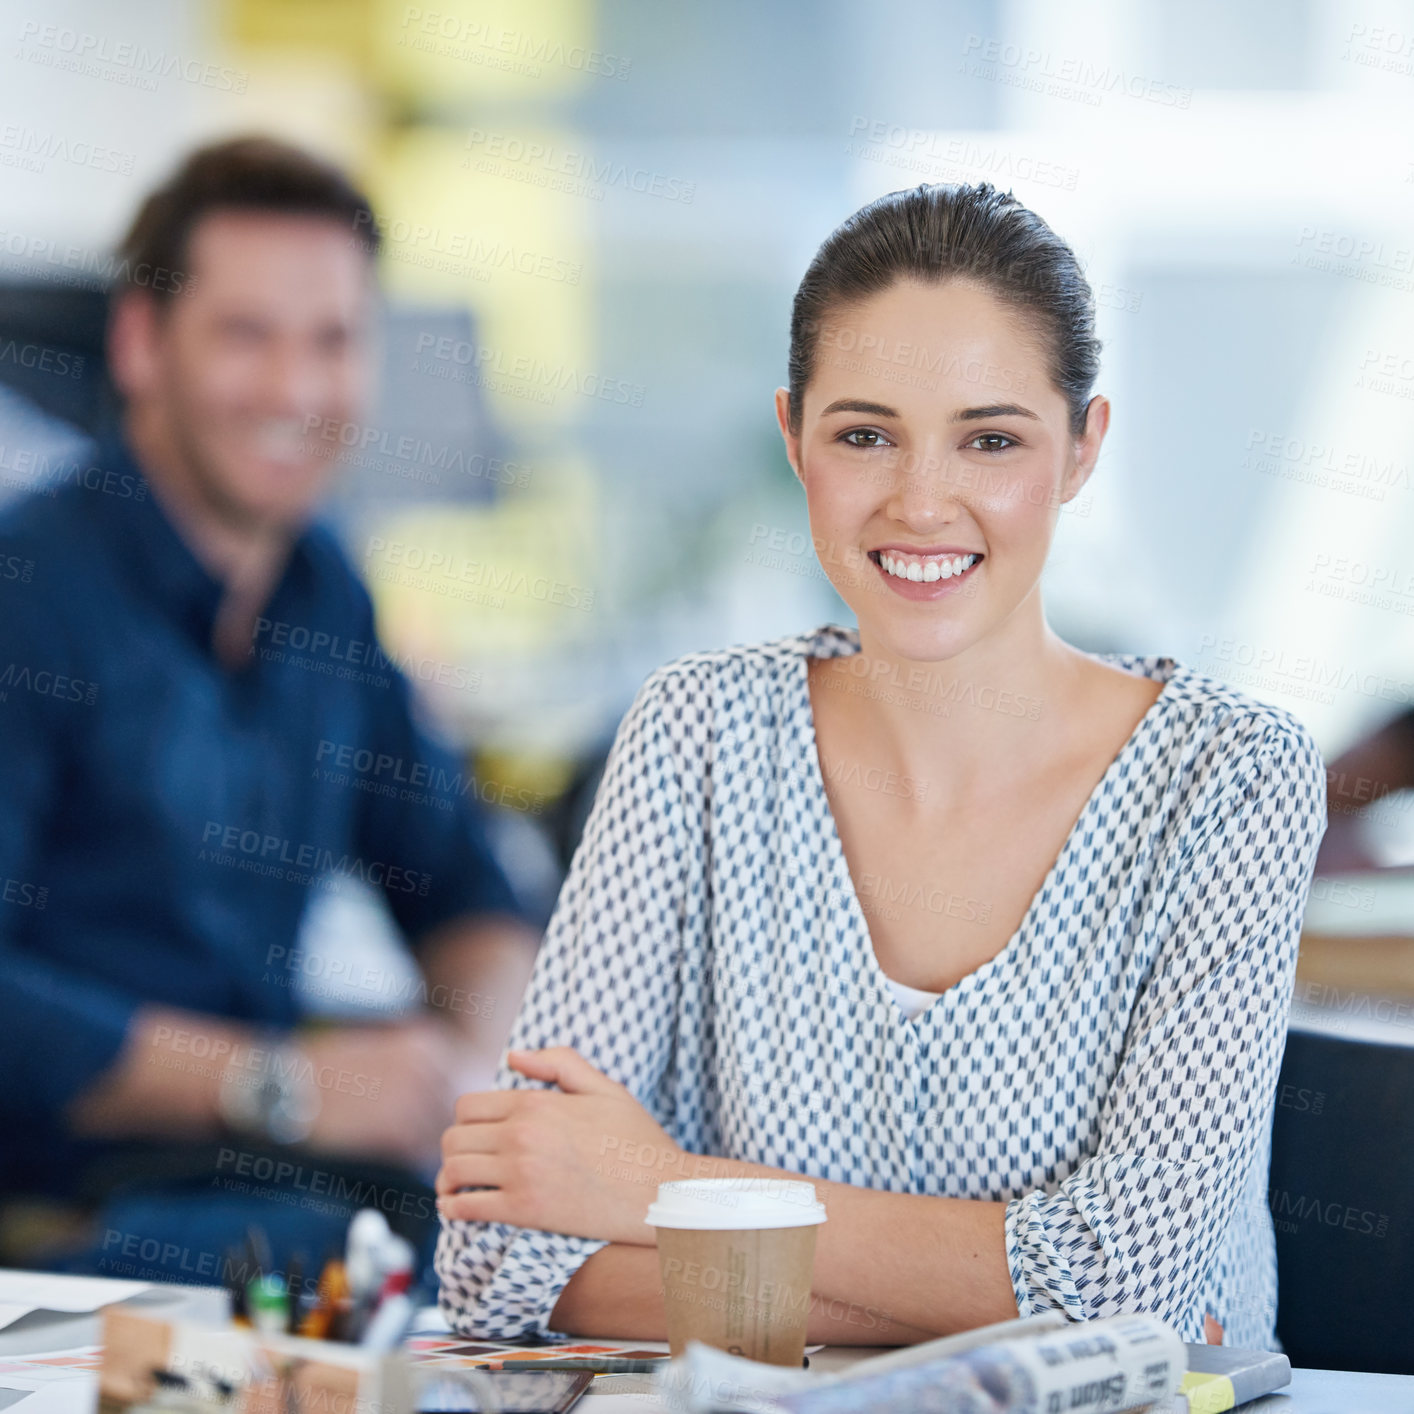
(585, 1159)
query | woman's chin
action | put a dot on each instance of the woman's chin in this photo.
(917, 642)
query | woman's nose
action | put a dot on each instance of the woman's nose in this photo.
(925, 492)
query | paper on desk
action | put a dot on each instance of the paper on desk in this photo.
(1012, 1367)
(56, 1382)
(23, 1292)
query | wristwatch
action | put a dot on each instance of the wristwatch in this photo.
(279, 1102)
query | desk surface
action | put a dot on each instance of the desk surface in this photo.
(1310, 1391)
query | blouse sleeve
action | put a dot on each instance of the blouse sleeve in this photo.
(1137, 1226)
(606, 982)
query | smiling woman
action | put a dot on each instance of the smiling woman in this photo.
(1021, 1020)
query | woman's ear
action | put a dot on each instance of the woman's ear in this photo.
(1087, 445)
(791, 439)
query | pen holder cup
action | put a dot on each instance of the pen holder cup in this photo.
(228, 1370)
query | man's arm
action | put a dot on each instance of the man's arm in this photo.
(60, 1027)
(477, 969)
(442, 880)
(157, 1088)
(378, 1090)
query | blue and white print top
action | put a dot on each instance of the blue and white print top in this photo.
(1109, 1075)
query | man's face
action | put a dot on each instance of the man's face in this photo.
(249, 371)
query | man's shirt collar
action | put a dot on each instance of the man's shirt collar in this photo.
(159, 560)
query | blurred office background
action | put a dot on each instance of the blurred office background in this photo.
(595, 215)
(596, 212)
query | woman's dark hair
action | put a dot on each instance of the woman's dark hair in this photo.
(941, 232)
(240, 174)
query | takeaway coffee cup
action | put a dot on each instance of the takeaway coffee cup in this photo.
(736, 1256)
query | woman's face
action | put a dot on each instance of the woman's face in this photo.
(935, 453)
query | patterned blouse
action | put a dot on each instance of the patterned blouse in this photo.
(1109, 1075)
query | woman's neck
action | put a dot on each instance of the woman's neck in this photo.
(1002, 711)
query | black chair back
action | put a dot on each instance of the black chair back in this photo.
(1342, 1199)
(51, 352)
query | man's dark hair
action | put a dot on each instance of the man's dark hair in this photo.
(241, 174)
(953, 231)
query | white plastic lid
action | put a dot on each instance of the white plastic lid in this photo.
(727, 1204)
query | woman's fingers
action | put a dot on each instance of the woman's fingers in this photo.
(565, 1067)
(486, 1206)
(469, 1171)
(485, 1138)
(480, 1106)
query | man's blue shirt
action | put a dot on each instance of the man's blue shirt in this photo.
(164, 818)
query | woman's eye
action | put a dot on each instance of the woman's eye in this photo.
(991, 442)
(864, 437)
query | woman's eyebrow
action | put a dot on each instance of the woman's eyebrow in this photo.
(996, 410)
(859, 405)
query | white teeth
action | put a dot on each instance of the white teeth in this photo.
(926, 571)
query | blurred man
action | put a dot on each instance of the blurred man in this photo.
(197, 729)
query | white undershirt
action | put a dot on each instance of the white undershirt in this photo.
(912, 1000)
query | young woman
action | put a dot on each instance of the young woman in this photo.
(992, 938)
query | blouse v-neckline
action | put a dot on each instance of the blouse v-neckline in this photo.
(1014, 948)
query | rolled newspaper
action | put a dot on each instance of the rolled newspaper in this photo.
(1038, 1366)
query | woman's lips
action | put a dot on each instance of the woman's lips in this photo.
(924, 589)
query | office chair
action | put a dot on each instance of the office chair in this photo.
(1342, 1199)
